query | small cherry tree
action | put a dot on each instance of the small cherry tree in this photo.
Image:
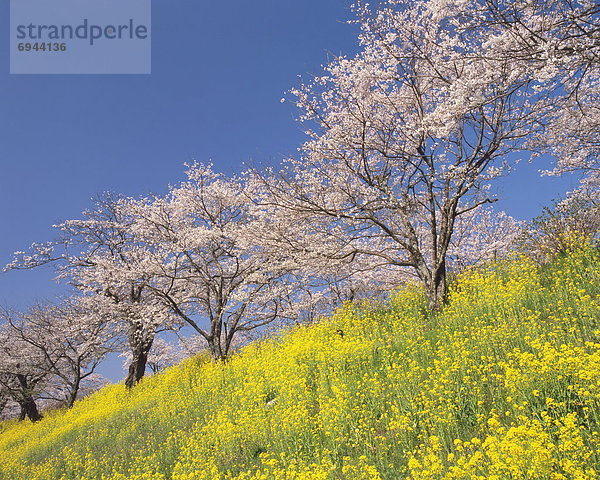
(63, 341)
(23, 376)
(99, 256)
(573, 219)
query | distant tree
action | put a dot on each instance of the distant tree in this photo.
(63, 341)
(483, 235)
(21, 378)
(99, 256)
(565, 222)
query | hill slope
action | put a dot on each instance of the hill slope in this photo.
(505, 383)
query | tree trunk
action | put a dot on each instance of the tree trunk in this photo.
(215, 340)
(27, 403)
(434, 281)
(137, 368)
(436, 288)
(3, 402)
(216, 352)
(74, 391)
(29, 409)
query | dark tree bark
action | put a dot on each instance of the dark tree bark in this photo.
(218, 351)
(3, 402)
(436, 291)
(137, 368)
(74, 391)
(29, 409)
(27, 403)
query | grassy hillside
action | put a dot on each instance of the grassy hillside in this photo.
(504, 384)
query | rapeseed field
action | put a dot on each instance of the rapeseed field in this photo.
(503, 384)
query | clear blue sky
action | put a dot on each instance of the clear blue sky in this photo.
(219, 70)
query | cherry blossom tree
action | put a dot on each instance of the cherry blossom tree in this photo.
(575, 218)
(191, 257)
(162, 355)
(406, 137)
(64, 341)
(201, 260)
(555, 44)
(99, 256)
(22, 379)
(334, 268)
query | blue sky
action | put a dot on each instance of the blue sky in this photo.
(219, 70)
